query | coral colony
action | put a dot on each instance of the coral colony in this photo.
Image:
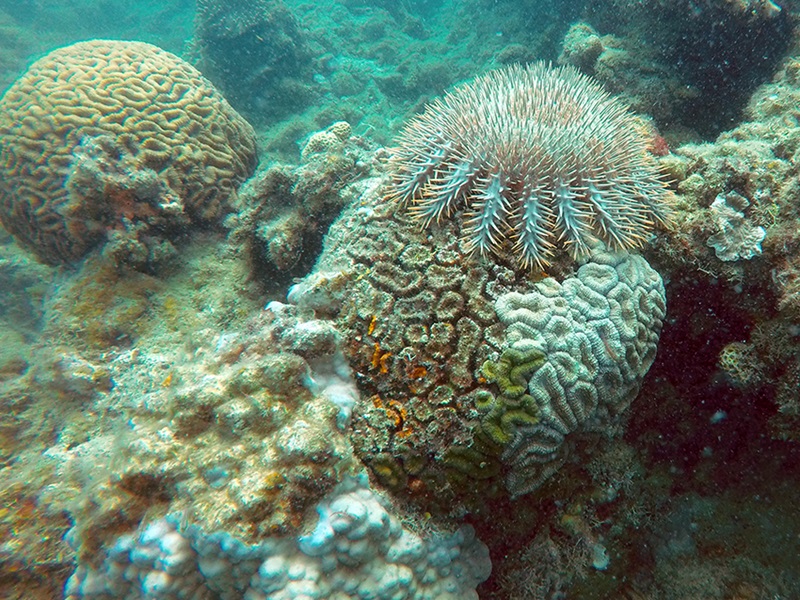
(142, 141)
(427, 414)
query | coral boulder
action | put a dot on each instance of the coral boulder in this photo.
(597, 333)
(102, 134)
(476, 380)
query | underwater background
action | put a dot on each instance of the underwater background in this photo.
(296, 301)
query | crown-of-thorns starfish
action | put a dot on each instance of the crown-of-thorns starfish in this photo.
(537, 155)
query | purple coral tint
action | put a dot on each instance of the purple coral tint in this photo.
(538, 156)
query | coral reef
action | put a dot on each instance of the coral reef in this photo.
(631, 68)
(106, 136)
(535, 156)
(718, 49)
(622, 533)
(257, 53)
(417, 323)
(357, 548)
(371, 63)
(332, 139)
(452, 391)
(741, 364)
(738, 196)
(750, 10)
(513, 406)
(110, 349)
(165, 435)
(287, 209)
(581, 48)
(744, 170)
(31, 29)
(23, 286)
(194, 430)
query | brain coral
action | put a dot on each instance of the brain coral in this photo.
(444, 373)
(99, 134)
(599, 332)
(535, 156)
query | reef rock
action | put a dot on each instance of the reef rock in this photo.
(357, 549)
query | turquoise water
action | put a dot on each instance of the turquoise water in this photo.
(235, 363)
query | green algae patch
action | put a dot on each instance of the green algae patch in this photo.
(512, 371)
(503, 413)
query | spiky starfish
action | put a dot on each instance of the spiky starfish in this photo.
(536, 155)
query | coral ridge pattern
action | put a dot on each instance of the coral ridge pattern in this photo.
(534, 156)
(101, 134)
(599, 332)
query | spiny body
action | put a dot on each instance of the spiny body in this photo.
(536, 155)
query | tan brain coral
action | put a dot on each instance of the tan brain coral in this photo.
(104, 134)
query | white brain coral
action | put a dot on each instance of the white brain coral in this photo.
(599, 333)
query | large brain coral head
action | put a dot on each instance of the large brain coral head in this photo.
(103, 134)
(534, 157)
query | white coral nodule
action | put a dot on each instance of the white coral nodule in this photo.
(535, 155)
(737, 238)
